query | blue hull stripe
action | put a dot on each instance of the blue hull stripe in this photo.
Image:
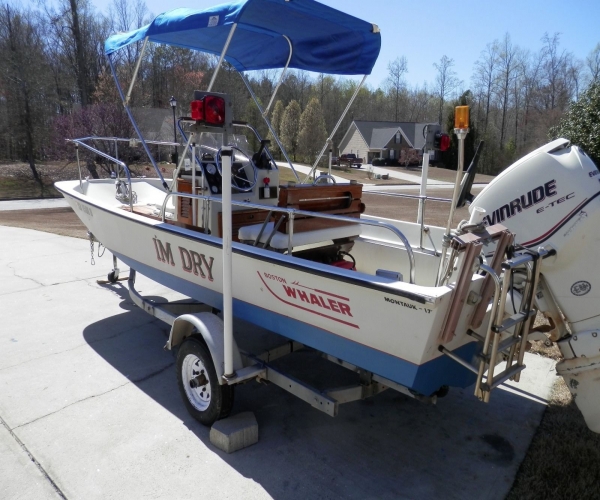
(424, 379)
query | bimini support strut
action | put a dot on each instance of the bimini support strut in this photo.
(222, 56)
(135, 71)
(132, 119)
(266, 111)
(268, 122)
(337, 125)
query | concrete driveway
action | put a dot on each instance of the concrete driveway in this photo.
(89, 408)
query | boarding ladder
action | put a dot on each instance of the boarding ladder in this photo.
(497, 344)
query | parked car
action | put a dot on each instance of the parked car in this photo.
(350, 160)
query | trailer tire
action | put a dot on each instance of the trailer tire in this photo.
(205, 399)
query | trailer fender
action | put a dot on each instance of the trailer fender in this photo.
(210, 327)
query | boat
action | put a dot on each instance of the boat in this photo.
(413, 308)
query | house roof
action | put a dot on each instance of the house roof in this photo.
(381, 136)
(378, 134)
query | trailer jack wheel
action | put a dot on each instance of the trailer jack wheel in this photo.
(205, 399)
(113, 276)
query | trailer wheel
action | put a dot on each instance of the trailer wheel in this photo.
(205, 399)
(112, 277)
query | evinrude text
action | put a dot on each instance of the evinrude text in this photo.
(523, 202)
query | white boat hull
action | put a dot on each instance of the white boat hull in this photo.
(389, 328)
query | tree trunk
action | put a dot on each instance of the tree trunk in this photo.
(79, 55)
(91, 166)
(25, 93)
(30, 148)
(504, 106)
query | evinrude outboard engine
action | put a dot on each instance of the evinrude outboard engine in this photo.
(551, 198)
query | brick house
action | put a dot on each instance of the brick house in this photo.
(389, 140)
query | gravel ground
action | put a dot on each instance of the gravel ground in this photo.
(61, 221)
(436, 213)
(64, 221)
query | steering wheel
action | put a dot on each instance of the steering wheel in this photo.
(239, 177)
(467, 181)
(324, 177)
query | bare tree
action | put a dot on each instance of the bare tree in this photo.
(395, 82)
(77, 37)
(298, 85)
(25, 85)
(554, 72)
(574, 76)
(484, 78)
(80, 55)
(507, 73)
(445, 82)
(592, 62)
(518, 94)
(326, 89)
(530, 84)
(126, 15)
(419, 104)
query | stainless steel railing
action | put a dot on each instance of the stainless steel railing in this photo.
(129, 196)
(292, 212)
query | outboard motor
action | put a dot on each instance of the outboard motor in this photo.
(551, 198)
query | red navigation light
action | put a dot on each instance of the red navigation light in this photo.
(441, 141)
(197, 108)
(445, 142)
(214, 110)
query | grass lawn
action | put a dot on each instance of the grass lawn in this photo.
(563, 460)
(12, 188)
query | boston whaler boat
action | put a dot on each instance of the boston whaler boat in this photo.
(409, 307)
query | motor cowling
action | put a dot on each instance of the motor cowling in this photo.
(551, 198)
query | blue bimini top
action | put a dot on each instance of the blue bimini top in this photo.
(324, 40)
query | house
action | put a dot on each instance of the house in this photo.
(388, 140)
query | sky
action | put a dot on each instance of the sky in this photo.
(423, 32)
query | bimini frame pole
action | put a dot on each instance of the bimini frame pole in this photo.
(330, 138)
(268, 122)
(266, 111)
(222, 56)
(132, 119)
(135, 71)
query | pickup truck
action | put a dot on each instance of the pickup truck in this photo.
(349, 159)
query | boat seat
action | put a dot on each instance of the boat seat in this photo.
(279, 241)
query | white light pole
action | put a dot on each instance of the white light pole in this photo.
(173, 103)
(461, 129)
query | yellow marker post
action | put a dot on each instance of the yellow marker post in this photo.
(461, 117)
(461, 129)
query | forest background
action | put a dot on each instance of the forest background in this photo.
(55, 84)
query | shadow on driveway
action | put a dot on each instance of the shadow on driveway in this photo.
(389, 446)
